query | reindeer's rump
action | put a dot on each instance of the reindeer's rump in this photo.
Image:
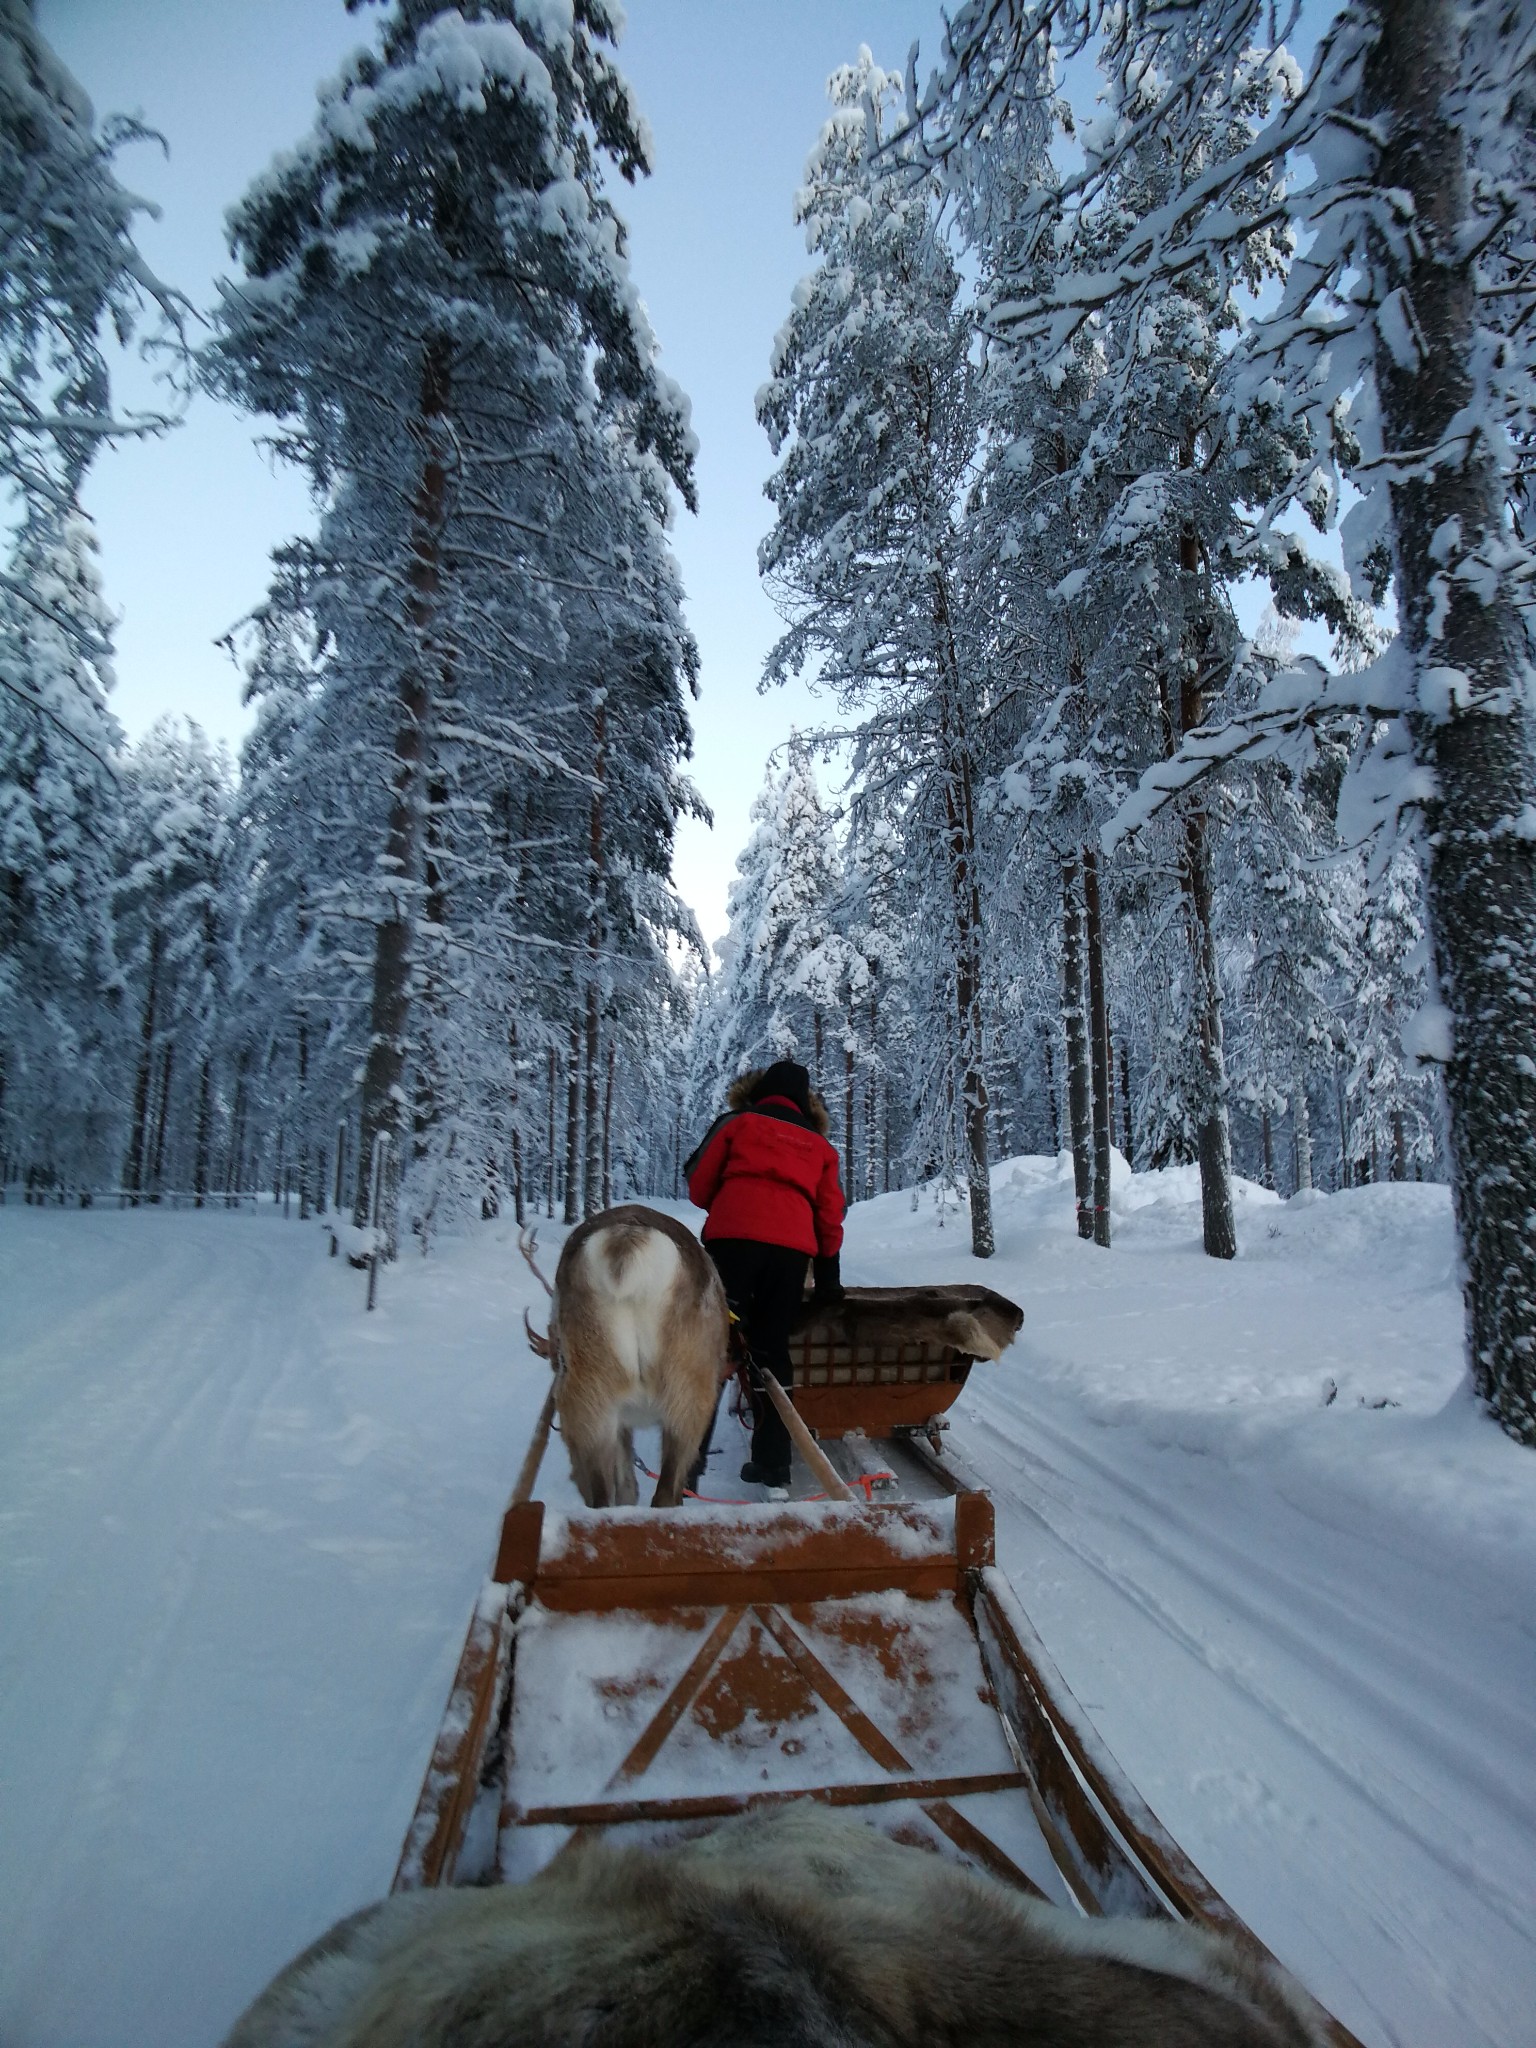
(639, 1327)
(627, 1223)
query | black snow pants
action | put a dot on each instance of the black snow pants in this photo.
(765, 1284)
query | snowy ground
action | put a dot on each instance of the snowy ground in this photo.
(242, 1523)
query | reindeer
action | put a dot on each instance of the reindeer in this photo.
(638, 1332)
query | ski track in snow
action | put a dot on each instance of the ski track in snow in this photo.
(242, 1524)
(1421, 1681)
(1361, 1725)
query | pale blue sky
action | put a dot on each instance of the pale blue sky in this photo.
(734, 93)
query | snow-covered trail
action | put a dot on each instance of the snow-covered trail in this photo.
(1358, 1788)
(242, 1524)
(1307, 1631)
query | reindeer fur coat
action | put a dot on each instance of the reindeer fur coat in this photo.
(796, 1928)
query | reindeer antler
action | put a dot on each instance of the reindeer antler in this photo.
(528, 1244)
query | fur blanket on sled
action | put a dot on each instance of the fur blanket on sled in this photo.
(796, 1928)
(972, 1320)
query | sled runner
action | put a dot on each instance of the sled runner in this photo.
(642, 1672)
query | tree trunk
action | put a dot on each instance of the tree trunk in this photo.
(549, 1152)
(202, 1163)
(1212, 1136)
(1303, 1125)
(401, 867)
(1079, 1090)
(236, 1134)
(1267, 1146)
(573, 1125)
(966, 894)
(162, 1118)
(957, 770)
(1048, 1036)
(848, 1177)
(870, 1127)
(304, 1161)
(1099, 1067)
(613, 1060)
(1213, 1139)
(138, 1131)
(596, 851)
(1125, 1104)
(1478, 745)
(885, 1133)
(592, 1174)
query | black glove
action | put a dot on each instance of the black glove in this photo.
(829, 1282)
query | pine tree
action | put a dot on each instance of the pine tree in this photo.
(61, 825)
(870, 410)
(170, 908)
(437, 308)
(68, 270)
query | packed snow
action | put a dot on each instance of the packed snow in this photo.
(1283, 1560)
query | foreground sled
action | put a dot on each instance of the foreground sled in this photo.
(640, 1673)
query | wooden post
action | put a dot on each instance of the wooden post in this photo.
(814, 1456)
(538, 1444)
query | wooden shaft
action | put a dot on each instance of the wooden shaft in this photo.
(709, 1806)
(538, 1444)
(814, 1456)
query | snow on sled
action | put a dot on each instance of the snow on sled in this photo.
(642, 1673)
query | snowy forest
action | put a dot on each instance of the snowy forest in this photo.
(1147, 449)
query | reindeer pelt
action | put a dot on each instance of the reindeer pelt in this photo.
(739, 1096)
(797, 1928)
(971, 1320)
(639, 1329)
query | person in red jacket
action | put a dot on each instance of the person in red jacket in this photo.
(769, 1179)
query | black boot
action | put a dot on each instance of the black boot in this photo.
(756, 1475)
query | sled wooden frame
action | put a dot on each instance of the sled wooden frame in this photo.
(768, 1568)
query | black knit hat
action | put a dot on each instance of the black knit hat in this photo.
(789, 1079)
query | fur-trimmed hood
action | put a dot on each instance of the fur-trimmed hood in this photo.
(739, 1096)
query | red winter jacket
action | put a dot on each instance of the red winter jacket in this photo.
(771, 1180)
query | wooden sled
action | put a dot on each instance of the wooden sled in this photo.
(891, 1360)
(643, 1672)
(649, 1672)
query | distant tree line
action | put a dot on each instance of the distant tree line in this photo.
(426, 926)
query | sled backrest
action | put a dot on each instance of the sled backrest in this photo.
(705, 1557)
(890, 1358)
